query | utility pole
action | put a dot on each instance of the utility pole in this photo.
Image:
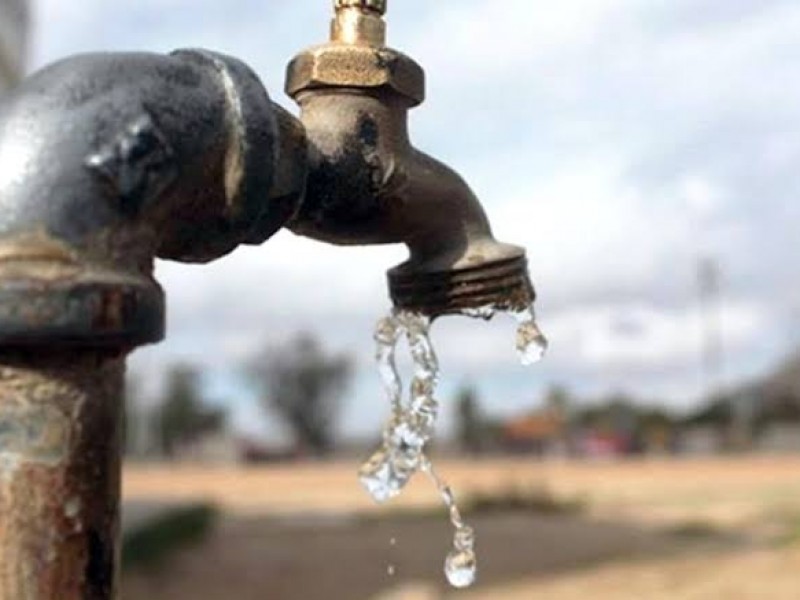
(710, 286)
(711, 311)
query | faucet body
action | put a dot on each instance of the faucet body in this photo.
(368, 184)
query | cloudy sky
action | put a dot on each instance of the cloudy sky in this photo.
(621, 141)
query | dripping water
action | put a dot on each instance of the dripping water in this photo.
(412, 424)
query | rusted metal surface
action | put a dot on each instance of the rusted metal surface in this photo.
(368, 184)
(110, 160)
(60, 416)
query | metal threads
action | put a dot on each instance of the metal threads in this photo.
(504, 285)
(376, 6)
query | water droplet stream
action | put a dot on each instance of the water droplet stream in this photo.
(412, 424)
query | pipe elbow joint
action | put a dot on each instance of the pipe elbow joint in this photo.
(109, 160)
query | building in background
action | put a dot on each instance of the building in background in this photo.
(14, 30)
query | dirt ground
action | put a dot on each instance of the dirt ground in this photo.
(656, 529)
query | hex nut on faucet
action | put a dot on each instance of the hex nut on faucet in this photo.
(355, 66)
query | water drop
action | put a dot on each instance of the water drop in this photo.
(531, 343)
(390, 570)
(461, 568)
(386, 473)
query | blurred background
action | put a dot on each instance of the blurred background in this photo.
(647, 156)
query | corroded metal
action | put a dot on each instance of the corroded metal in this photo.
(368, 184)
(60, 417)
(110, 160)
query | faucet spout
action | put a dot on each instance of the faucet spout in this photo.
(368, 184)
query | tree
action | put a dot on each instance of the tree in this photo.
(304, 386)
(559, 402)
(184, 417)
(469, 420)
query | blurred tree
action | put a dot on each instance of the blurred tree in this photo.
(183, 417)
(470, 425)
(561, 405)
(615, 413)
(779, 394)
(559, 401)
(717, 412)
(304, 386)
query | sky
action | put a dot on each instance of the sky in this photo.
(622, 142)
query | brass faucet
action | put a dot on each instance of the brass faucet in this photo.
(367, 183)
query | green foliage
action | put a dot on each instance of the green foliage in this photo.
(470, 424)
(303, 385)
(532, 499)
(695, 529)
(559, 401)
(184, 417)
(179, 528)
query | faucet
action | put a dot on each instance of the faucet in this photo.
(367, 183)
(108, 161)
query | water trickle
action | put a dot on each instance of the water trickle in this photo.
(412, 424)
(461, 565)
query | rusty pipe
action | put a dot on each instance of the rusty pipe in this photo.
(109, 160)
(60, 438)
(367, 183)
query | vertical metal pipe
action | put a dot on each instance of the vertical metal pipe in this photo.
(60, 441)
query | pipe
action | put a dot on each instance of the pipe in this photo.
(109, 160)
(368, 184)
(60, 439)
